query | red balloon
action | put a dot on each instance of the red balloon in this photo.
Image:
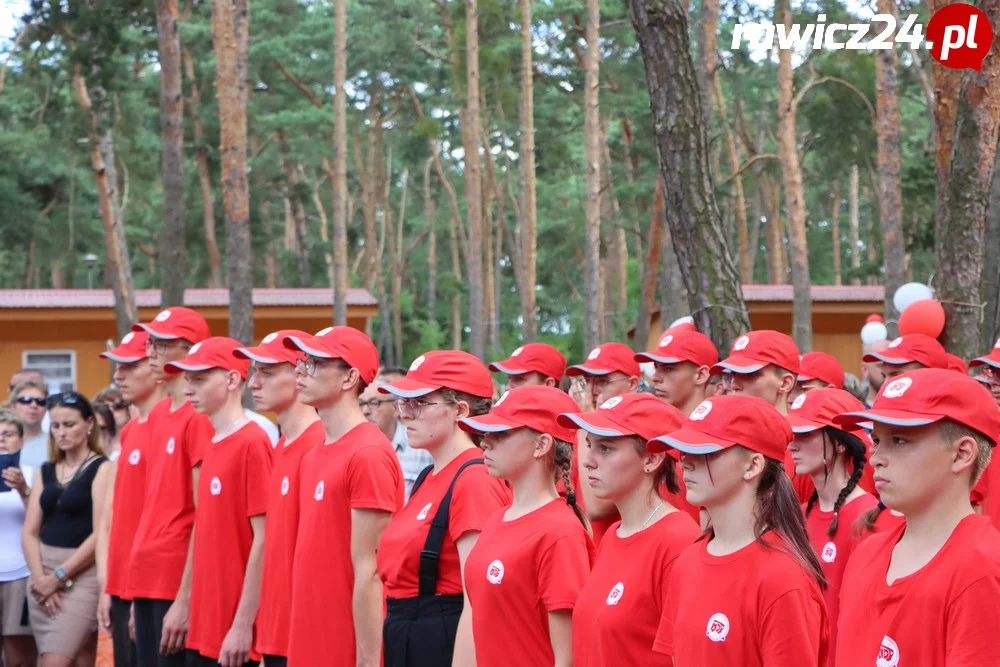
(874, 317)
(925, 316)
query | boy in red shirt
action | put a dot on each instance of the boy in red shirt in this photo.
(128, 487)
(272, 382)
(228, 549)
(532, 364)
(925, 592)
(159, 571)
(350, 486)
(610, 370)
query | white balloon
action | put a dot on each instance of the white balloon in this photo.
(873, 331)
(682, 320)
(909, 293)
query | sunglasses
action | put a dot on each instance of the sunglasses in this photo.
(67, 398)
(28, 400)
(117, 405)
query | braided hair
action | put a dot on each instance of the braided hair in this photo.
(563, 458)
(855, 448)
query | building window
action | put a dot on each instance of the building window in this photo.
(57, 366)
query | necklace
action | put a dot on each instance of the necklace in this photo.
(221, 435)
(650, 517)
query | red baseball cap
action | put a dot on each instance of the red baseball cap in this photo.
(535, 407)
(722, 422)
(992, 359)
(439, 369)
(756, 349)
(823, 367)
(607, 358)
(912, 348)
(817, 408)
(537, 357)
(678, 345)
(956, 363)
(928, 395)
(272, 349)
(643, 415)
(131, 349)
(347, 343)
(215, 352)
(177, 322)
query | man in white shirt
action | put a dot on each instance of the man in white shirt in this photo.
(28, 400)
(381, 410)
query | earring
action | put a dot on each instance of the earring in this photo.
(746, 475)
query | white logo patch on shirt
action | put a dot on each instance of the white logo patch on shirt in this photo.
(216, 486)
(494, 573)
(596, 352)
(888, 653)
(829, 552)
(134, 457)
(615, 596)
(897, 388)
(718, 627)
(170, 446)
(424, 512)
(318, 493)
(284, 486)
(741, 343)
(701, 411)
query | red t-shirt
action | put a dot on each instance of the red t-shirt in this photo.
(358, 471)
(129, 493)
(477, 496)
(279, 547)
(619, 608)
(939, 615)
(754, 607)
(834, 552)
(516, 574)
(176, 445)
(231, 489)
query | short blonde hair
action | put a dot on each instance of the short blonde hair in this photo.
(952, 432)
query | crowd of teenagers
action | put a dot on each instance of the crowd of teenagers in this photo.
(744, 512)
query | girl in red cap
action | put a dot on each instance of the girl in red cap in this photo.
(925, 593)
(532, 559)
(748, 593)
(424, 550)
(835, 459)
(619, 609)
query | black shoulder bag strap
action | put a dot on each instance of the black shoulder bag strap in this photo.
(420, 479)
(431, 554)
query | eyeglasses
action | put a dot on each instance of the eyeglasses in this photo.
(310, 364)
(28, 400)
(600, 382)
(374, 403)
(161, 346)
(413, 406)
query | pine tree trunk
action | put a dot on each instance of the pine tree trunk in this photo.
(946, 85)
(739, 203)
(650, 269)
(592, 136)
(708, 57)
(960, 253)
(324, 221)
(990, 329)
(339, 180)
(230, 37)
(431, 245)
(456, 299)
(712, 282)
(835, 231)
(172, 246)
(890, 189)
(473, 185)
(102, 162)
(529, 232)
(204, 177)
(794, 191)
(852, 207)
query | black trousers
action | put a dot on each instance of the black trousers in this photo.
(195, 659)
(148, 632)
(125, 655)
(275, 661)
(420, 631)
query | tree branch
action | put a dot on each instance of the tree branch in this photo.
(749, 163)
(298, 84)
(13, 50)
(429, 51)
(833, 79)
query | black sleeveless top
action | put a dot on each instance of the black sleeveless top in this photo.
(68, 511)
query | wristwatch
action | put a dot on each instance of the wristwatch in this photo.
(63, 577)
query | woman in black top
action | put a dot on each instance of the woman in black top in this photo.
(65, 504)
